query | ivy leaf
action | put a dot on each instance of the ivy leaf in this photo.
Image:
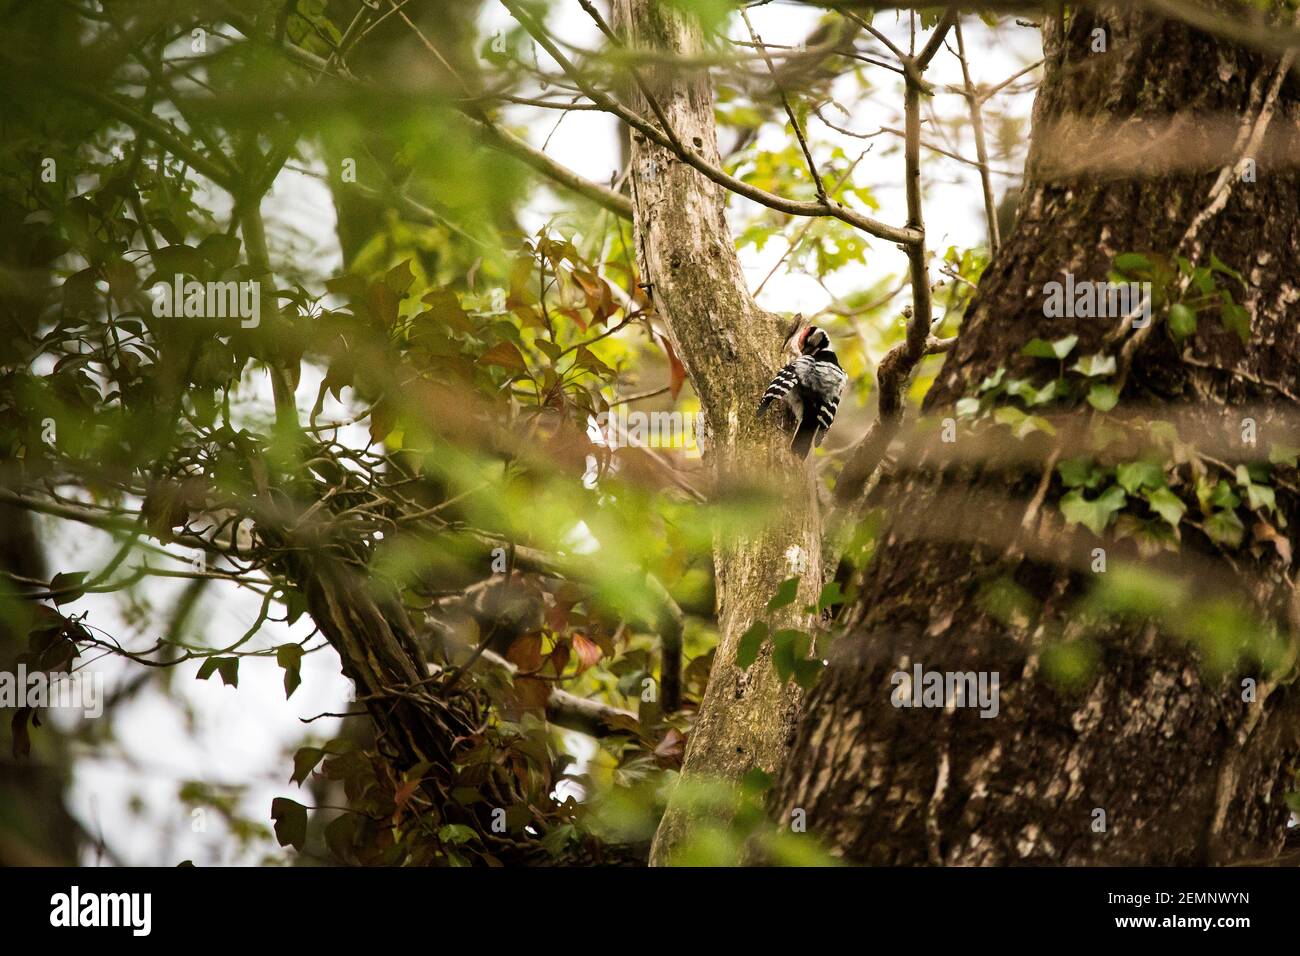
(1038, 348)
(1182, 322)
(1223, 497)
(993, 381)
(831, 596)
(785, 594)
(1133, 262)
(455, 834)
(290, 822)
(807, 671)
(1137, 475)
(1080, 473)
(1235, 318)
(750, 642)
(1095, 365)
(1260, 498)
(789, 647)
(1103, 396)
(1218, 265)
(1283, 455)
(1096, 514)
(1167, 505)
(1263, 531)
(1224, 527)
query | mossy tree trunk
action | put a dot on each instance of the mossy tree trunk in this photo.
(1185, 771)
(731, 350)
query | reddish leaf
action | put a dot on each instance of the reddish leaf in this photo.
(676, 370)
(505, 355)
(588, 651)
(526, 652)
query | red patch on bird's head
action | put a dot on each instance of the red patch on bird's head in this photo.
(803, 336)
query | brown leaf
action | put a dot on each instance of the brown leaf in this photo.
(505, 355)
(532, 693)
(526, 652)
(668, 752)
(1266, 532)
(383, 418)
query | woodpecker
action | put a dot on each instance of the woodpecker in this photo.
(810, 386)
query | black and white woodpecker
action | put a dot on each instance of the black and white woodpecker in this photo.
(810, 386)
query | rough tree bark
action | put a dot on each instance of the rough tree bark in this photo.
(1186, 772)
(730, 348)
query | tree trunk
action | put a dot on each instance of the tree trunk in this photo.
(1184, 770)
(730, 348)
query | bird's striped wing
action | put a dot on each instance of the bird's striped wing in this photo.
(828, 379)
(785, 380)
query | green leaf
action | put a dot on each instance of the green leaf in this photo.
(455, 834)
(1103, 396)
(304, 762)
(756, 781)
(1182, 322)
(1223, 496)
(1283, 455)
(789, 647)
(289, 656)
(1095, 365)
(831, 596)
(1236, 319)
(1224, 527)
(785, 594)
(1167, 505)
(290, 822)
(1136, 475)
(1261, 498)
(1080, 473)
(968, 407)
(993, 381)
(1133, 262)
(227, 667)
(807, 671)
(1022, 424)
(71, 580)
(1096, 514)
(1038, 348)
(750, 642)
(1218, 265)
(555, 841)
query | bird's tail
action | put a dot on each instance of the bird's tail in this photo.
(803, 436)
